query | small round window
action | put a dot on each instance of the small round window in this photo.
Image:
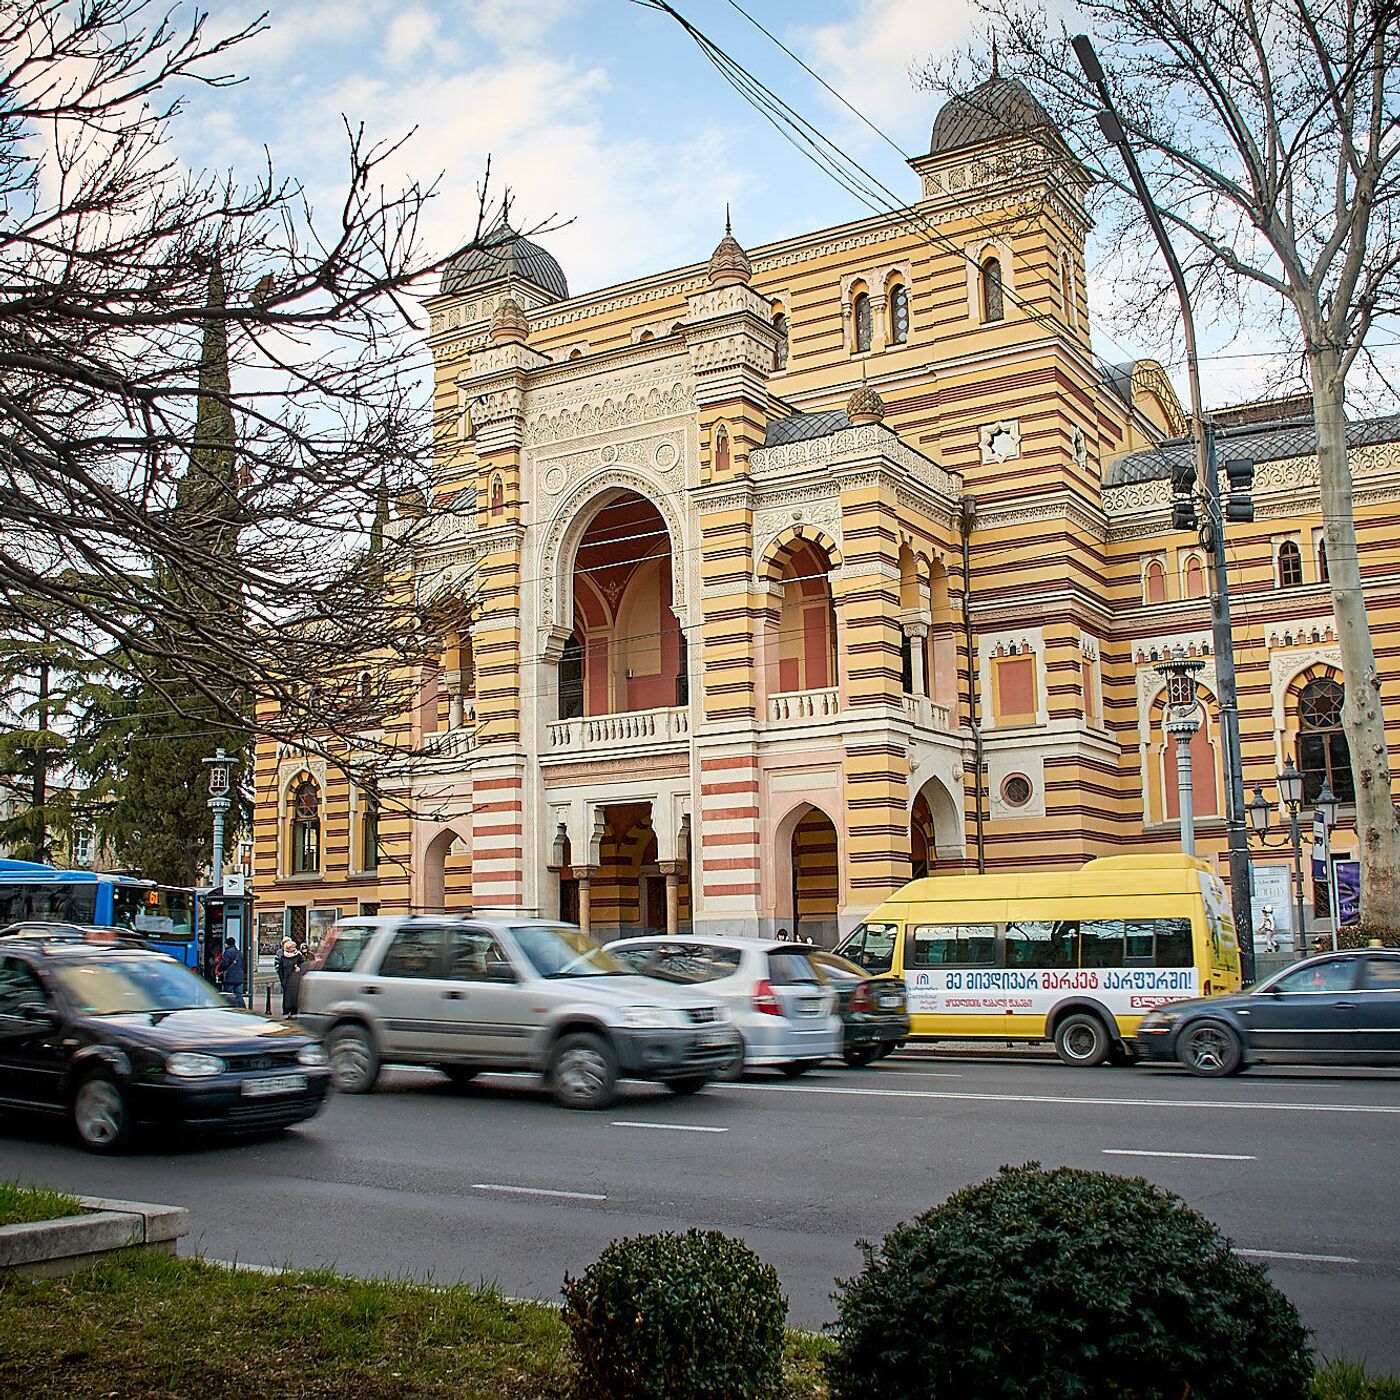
(1016, 790)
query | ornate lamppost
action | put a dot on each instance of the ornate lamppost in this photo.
(1290, 791)
(220, 802)
(1183, 720)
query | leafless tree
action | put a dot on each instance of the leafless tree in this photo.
(263, 580)
(1271, 140)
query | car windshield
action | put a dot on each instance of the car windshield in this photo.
(837, 969)
(557, 951)
(109, 986)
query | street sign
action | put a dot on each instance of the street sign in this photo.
(235, 883)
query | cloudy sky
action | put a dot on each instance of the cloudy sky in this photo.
(601, 115)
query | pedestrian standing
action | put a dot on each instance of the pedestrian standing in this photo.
(289, 965)
(230, 971)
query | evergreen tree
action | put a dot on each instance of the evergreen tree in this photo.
(147, 752)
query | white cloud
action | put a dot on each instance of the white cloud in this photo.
(868, 57)
(411, 32)
(515, 23)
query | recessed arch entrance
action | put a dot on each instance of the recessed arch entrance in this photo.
(808, 887)
(446, 873)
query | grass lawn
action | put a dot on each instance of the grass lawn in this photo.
(22, 1205)
(160, 1326)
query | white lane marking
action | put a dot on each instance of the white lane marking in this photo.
(668, 1127)
(921, 1073)
(1260, 1104)
(538, 1191)
(1301, 1258)
(1193, 1156)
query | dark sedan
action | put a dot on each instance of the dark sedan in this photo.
(1337, 1009)
(114, 1037)
(874, 1014)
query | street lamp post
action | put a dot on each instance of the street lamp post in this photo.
(220, 803)
(1183, 720)
(1290, 791)
(1203, 435)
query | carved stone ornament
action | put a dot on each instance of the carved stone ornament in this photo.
(810, 516)
(1000, 441)
(588, 411)
(1079, 446)
(660, 453)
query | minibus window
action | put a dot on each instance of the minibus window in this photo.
(1173, 942)
(871, 946)
(1141, 935)
(938, 945)
(1041, 943)
(1101, 943)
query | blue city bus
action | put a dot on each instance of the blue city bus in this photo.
(164, 917)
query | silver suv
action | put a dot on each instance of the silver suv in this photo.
(470, 994)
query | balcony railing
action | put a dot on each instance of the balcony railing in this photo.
(804, 706)
(630, 729)
(928, 714)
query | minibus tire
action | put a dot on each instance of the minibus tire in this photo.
(1082, 1040)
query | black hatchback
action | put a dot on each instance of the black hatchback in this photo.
(874, 1014)
(113, 1037)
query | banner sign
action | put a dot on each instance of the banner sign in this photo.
(1126, 991)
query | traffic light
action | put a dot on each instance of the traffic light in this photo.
(1239, 472)
(1183, 513)
(1183, 476)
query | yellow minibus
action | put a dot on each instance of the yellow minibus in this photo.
(1076, 957)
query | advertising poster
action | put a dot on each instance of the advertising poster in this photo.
(1348, 877)
(318, 921)
(270, 923)
(1272, 905)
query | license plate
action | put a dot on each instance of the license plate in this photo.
(810, 1006)
(891, 1001)
(708, 1040)
(274, 1084)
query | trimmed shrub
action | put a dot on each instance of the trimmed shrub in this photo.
(1061, 1285)
(1368, 935)
(698, 1314)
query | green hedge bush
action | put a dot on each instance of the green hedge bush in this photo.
(1368, 935)
(660, 1316)
(1061, 1285)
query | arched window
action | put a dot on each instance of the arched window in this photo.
(306, 829)
(1290, 565)
(1323, 576)
(721, 450)
(498, 496)
(645, 335)
(993, 299)
(860, 310)
(1154, 583)
(1322, 746)
(780, 353)
(899, 314)
(369, 831)
(1194, 579)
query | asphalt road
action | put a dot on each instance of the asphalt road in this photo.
(497, 1183)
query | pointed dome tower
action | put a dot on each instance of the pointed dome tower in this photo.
(729, 263)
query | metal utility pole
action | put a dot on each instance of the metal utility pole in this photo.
(1203, 435)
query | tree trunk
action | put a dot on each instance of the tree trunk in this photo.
(1362, 715)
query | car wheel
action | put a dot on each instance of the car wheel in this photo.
(691, 1084)
(100, 1116)
(583, 1072)
(1210, 1049)
(460, 1075)
(1082, 1040)
(795, 1067)
(858, 1056)
(887, 1048)
(354, 1060)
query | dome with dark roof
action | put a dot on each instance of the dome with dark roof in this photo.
(504, 254)
(999, 107)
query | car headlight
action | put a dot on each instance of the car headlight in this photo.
(312, 1055)
(645, 1017)
(190, 1064)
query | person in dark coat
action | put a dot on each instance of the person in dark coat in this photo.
(289, 965)
(230, 969)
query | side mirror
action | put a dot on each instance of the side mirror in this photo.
(500, 972)
(37, 1013)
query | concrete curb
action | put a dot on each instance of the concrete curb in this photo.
(51, 1248)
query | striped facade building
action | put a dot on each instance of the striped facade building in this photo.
(766, 583)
